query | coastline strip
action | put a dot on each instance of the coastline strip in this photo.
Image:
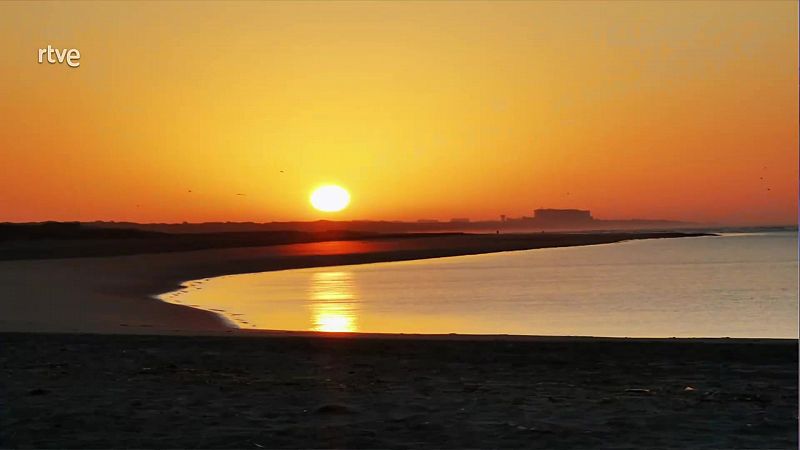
(117, 294)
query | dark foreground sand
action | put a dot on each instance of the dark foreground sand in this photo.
(92, 391)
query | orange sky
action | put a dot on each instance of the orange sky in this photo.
(676, 110)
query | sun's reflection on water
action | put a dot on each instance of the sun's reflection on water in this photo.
(333, 302)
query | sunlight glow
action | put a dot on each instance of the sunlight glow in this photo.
(333, 302)
(330, 198)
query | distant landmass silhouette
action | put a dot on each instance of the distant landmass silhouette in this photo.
(542, 220)
(73, 239)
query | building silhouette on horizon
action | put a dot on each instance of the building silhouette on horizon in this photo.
(562, 215)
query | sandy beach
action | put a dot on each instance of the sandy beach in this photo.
(90, 360)
(93, 391)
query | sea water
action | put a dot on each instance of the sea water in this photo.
(734, 285)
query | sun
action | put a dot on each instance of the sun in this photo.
(330, 198)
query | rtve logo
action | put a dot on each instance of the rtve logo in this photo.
(70, 56)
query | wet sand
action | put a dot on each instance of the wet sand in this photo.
(117, 391)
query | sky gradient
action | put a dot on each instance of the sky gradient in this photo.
(670, 110)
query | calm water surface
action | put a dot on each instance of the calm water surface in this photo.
(737, 285)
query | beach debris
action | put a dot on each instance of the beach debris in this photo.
(638, 391)
(546, 428)
(689, 389)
